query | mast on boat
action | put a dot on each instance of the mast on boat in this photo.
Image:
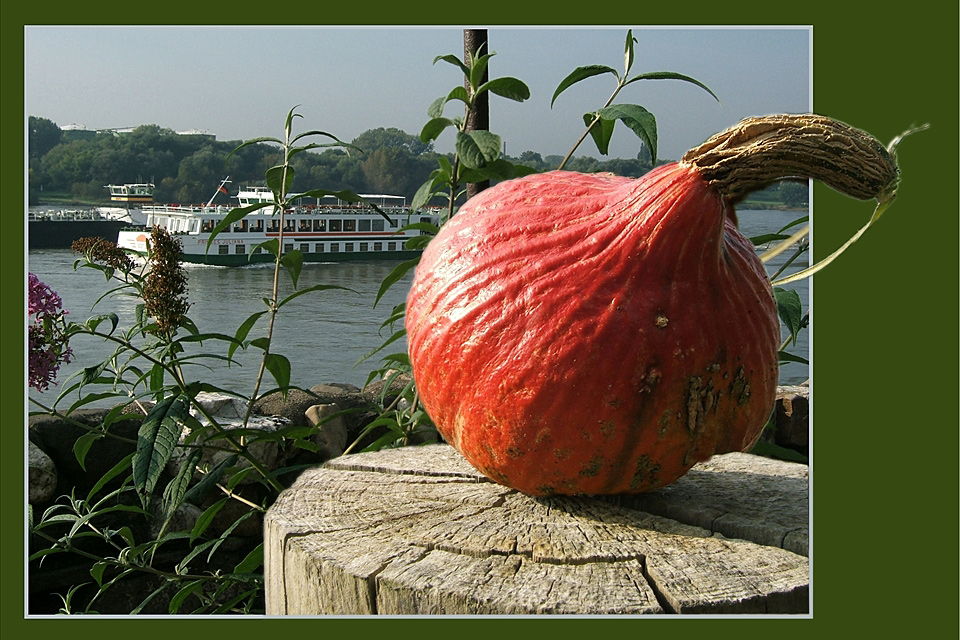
(220, 189)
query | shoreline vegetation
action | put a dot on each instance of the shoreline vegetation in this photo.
(70, 168)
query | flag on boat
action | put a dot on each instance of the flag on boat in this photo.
(222, 190)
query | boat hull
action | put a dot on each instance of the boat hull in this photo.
(57, 234)
(234, 260)
(135, 240)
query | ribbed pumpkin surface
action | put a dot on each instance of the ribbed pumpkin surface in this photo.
(592, 334)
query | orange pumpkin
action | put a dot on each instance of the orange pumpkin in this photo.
(592, 334)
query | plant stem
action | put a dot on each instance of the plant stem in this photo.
(595, 120)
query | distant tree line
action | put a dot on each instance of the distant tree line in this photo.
(187, 168)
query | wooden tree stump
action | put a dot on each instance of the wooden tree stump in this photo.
(417, 530)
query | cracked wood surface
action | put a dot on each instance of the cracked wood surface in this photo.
(416, 530)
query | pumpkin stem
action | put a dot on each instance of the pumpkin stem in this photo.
(757, 151)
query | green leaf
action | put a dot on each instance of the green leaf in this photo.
(177, 488)
(477, 148)
(628, 52)
(478, 66)
(316, 287)
(279, 368)
(601, 131)
(93, 322)
(397, 314)
(156, 440)
(231, 217)
(434, 127)
(271, 246)
(398, 272)
(292, 261)
(288, 123)
(764, 238)
(156, 377)
(578, 74)
(499, 169)
(786, 356)
(242, 332)
(417, 243)
(253, 141)
(82, 446)
(427, 227)
(509, 88)
(260, 343)
(206, 518)
(427, 190)
(790, 310)
(252, 560)
(198, 492)
(279, 179)
(638, 119)
(393, 338)
(455, 61)
(801, 220)
(114, 471)
(177, 600)
(96, 572)
(669, 75)
(435, 110)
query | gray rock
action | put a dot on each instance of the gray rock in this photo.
(42, 475)
(331, 436)
(56, 436)
(229, 412)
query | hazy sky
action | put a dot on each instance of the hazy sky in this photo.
(240, 82)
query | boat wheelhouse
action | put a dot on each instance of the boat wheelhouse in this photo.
(323, 230)
(141, 192)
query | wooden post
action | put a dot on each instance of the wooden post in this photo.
(475, 40)
(416, 530)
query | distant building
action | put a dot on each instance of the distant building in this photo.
(196, 132)
(75, 131)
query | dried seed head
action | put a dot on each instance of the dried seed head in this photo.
(166, 284)
(103, 252)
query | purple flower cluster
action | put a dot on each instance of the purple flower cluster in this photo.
(46, 335)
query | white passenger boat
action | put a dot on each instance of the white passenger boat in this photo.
(323, 230)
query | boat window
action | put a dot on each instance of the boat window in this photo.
(194, 226)
(241, 248)
(319, 248)
(391, 246)
(336, 225)
(364, 225)
(224, 249)
(240, 227)
(274, 226)
(348, 246)
(378, 246)
(207, 225)
(256, 226)
(349, 225)
(289, 225)
(334, 247)
(287, 248)
(304, 225)
(378, 225)
(363, 246)
(304, 248)
(257, 249)
(319, 225)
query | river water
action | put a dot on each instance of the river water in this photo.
(323, 333)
